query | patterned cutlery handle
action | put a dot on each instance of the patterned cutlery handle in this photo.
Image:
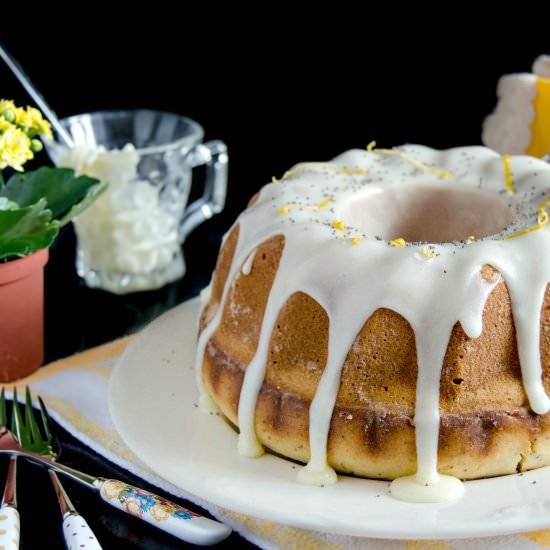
(161, 513)
(78, 534)
(9, 527)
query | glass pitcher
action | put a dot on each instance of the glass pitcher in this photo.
(130, 239)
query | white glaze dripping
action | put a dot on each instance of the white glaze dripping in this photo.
(247, 266)
(433, 295)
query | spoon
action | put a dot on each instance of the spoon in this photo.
(37, 97)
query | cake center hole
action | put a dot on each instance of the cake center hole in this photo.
(428, 213)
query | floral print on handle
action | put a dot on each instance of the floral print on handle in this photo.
(138, 502)
(162, 513)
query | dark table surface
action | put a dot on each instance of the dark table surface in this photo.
(77, 318)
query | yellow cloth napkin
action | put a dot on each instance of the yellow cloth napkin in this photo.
(75, 391)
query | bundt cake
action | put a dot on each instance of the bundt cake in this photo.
(386, 315)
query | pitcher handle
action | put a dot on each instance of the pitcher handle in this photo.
(213, 154)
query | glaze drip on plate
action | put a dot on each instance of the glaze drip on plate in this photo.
(354, 259)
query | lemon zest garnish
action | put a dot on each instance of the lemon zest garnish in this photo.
(351, 171)
(309, 165)
(286, 208)
(508, 174)
(400, 242)
(356, 241)
(427, 253)
(337, 224)
(542, 220)
(371, 147)
(274, 179)
(325, 203)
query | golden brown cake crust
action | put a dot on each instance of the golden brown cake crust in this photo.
(487, 428)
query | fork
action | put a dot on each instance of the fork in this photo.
(9, 516)
(76, 531)
(155, 510)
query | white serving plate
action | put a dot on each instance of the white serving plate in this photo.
(153, 399)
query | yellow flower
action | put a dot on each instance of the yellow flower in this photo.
(15, 149)
(21, 117)
(7, 109)
(6, 104)
(5, 125)
(40, 123)
(32, 119)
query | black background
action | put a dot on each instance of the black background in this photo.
(277, 89)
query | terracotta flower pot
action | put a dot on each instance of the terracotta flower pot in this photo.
(22, 315)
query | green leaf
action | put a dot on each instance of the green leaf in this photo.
(17, 425)
(61, 189)
(90, 197)
(45, 417)
(26, 230)
(30, 420)
(3, 410)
